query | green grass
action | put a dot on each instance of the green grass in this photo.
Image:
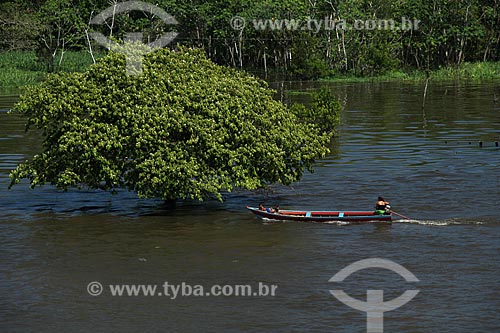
(20, 68)
(480, 71)
(391, 76)
(77, 61)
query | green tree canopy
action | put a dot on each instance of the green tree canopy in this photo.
(184, 128)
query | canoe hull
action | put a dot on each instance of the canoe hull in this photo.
(323, 216)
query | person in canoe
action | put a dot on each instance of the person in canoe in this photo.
(382, 207)
(269, 210)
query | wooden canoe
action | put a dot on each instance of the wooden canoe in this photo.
(323, 216)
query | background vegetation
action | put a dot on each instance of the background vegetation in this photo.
(450, 33)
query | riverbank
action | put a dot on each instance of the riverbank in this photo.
(18, 69)
(480, 71)
(21, 68)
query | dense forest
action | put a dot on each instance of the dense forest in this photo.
(295, 37)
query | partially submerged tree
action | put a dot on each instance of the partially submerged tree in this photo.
(184, 128)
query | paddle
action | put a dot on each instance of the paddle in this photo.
(400, 215)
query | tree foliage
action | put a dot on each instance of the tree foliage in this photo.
(20, 27)
(324, 111)
(184, 128)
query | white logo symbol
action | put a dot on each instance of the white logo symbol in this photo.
(374, 305)
(134, 57)
(94, 288)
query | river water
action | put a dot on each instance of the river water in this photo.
(427, 161)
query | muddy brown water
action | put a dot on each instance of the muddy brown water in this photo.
(428, 162)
